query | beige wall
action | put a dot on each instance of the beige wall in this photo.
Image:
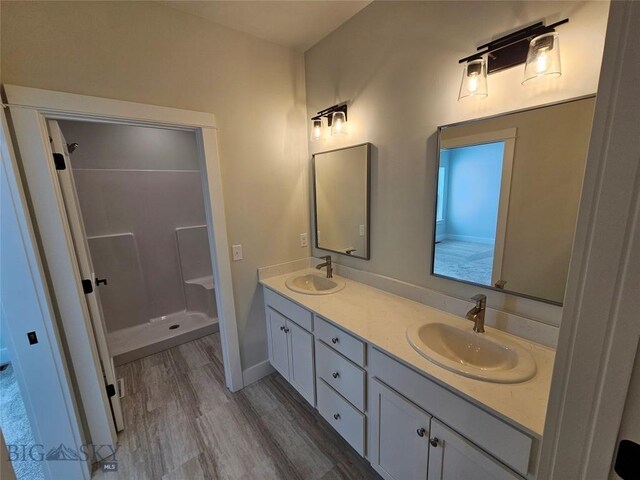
(146, 52)
(397, 65)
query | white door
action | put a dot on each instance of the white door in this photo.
(452, 457)
(30, 330)
(278, 344)
(301, 372)
(83, 256)
(399, 441)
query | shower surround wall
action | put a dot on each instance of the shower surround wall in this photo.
(136, 186)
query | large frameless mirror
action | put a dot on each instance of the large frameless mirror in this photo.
(507, 192)
(341, 187)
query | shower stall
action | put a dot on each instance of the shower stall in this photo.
(140, 193)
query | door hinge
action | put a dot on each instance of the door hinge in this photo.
(627, 464)
(87, 286)
(111, 390)
(58, 161)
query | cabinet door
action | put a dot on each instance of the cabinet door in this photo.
(452, 457)
(278, 343)
(301, 371)
(399, 437)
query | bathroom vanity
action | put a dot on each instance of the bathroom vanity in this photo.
(348, 355)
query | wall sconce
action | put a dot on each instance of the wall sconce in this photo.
(336, 120)
(474, 79)
(537, 46)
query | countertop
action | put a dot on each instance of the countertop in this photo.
(381, 319)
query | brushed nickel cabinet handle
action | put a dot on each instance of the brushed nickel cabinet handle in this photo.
(421, 432)
(335, 374)
(336, 416)
(434, 442)
(335, 340)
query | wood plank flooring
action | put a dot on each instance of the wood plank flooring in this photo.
(183, 424)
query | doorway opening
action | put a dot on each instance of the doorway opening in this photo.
(468, 199)
(142, 209)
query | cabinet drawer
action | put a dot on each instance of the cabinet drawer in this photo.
(505, 442)
(339, 340)
(289, 309)
(342, 416)
(345, 377)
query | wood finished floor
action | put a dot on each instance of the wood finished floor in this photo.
(183, 424)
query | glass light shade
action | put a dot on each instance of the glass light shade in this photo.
(543, 58)
(338, 124)
(317, 132)
(474, 80)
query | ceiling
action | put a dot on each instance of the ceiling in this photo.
(296, 24)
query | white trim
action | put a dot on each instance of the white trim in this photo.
(5, 356)
(600, 331)
(503, 206)
(30, 107)
(478, 138)
(257, 372)
(46, 367)
(468, 238)
(60, 105)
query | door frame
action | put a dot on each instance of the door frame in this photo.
(29, 109)
(599, 332)
(41, 370)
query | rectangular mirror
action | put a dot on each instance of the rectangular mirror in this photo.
(507, 193)
(341, 188)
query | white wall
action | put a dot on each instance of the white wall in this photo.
(397, 65)
(146, 52)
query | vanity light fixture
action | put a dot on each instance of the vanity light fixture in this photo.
(317, 131)
(537, 46)
(336, 120)
(543, 57)
(474, 79)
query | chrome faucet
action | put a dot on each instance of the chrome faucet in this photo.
(327, 263)
(476, 314)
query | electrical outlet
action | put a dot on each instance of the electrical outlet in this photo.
(237, 252)
(362, 230)
(303, 240)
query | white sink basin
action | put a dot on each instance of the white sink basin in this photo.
(489, 356)
(314, 284)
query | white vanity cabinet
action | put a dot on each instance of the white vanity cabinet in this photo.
(399, 435)
(407, 443)
(291, 346)
(408, 425)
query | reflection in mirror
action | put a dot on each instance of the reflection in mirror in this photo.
(508, 189)
(341, 187)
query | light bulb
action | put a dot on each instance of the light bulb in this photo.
(473, 83)
(543, 58)
(316, 129)
(338, 124)
(542, 62)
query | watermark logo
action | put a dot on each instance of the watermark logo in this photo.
(104, 455)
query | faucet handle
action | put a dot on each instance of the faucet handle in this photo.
(480, 299)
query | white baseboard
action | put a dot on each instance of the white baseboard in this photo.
(469, 238)
(255, 373)
(4, 356)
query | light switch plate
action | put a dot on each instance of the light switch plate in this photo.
(303, 240)
(237, 252)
